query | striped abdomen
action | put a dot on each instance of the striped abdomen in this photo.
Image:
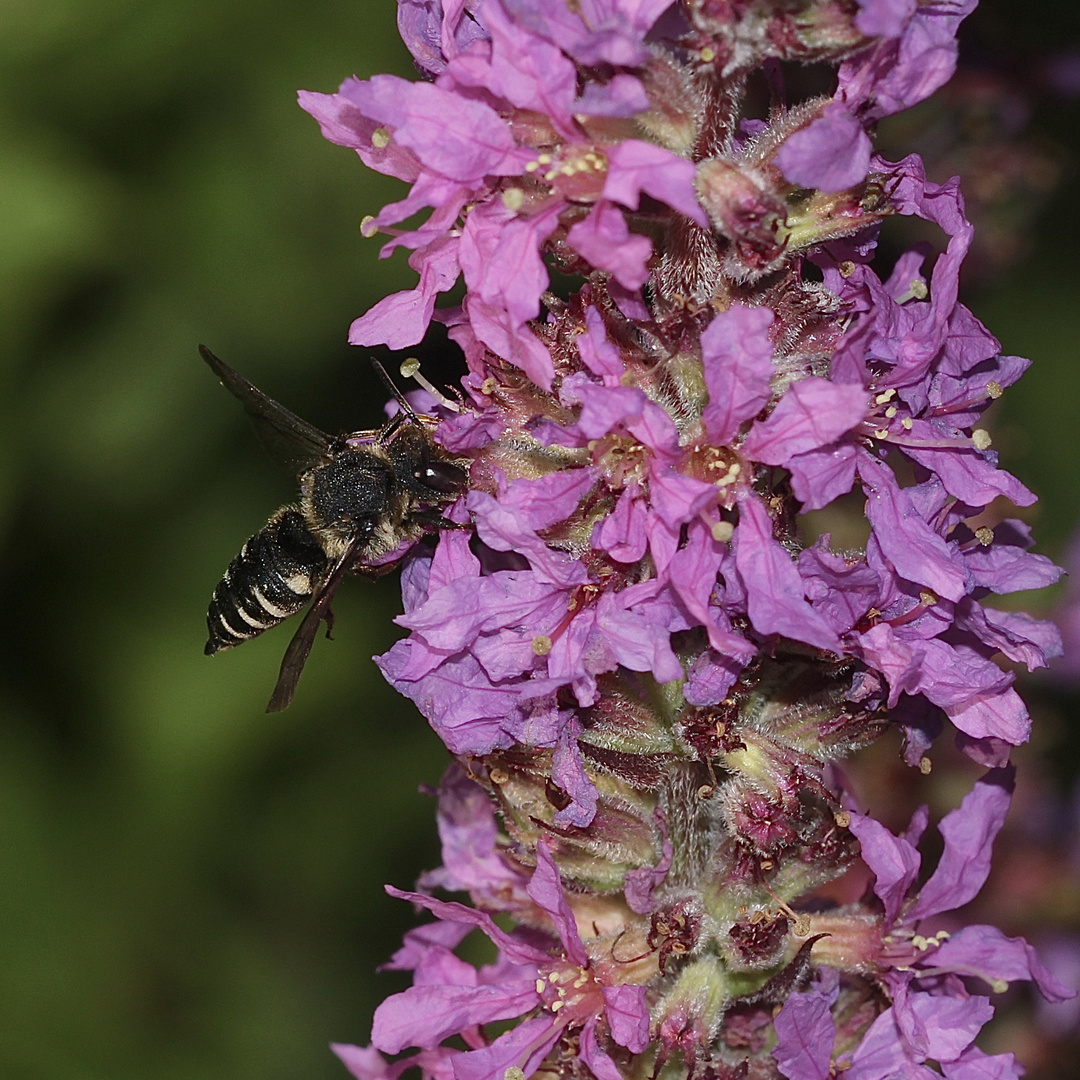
(272, 578)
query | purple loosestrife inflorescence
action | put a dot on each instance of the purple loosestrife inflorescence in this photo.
(645, 666)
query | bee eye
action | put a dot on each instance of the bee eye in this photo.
(442, 476)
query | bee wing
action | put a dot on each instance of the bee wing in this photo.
(288, 439)
(292, 664)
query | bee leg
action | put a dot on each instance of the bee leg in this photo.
(433, 519)
(297, 653)
(373, 573)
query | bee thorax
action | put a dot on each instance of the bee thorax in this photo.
(351, 493)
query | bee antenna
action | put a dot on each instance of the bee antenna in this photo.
(398, 396)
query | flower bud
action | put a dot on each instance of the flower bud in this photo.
(747, 213)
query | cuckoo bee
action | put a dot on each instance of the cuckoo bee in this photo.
(364, 497)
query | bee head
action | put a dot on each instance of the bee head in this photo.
(421, 467)
(442, 476)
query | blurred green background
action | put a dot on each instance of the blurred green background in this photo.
(189, 888)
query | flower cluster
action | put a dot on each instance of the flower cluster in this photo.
(644, 653)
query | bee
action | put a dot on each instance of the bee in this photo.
(364, 498)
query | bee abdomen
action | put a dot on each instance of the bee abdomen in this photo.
(272, 578)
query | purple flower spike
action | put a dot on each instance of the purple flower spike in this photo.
(736, 354)
(944, 1030)
(968, 834)
(805, 1030)
(981, 952)
(654, 671)
(832, 154)
(451, 996)
(775, 592)
(915, 54)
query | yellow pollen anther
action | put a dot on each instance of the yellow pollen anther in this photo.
(708, 54)
(541, 644)
(540, 984)
(998, 986)
(730, 476)
(985, 535)
(557, 1005)
(917, 290)
(846, 268)
(723, 531)
(489, 386)
(881, 433)
(580, 981)
(380, 138)
(994, 389)
(543, 159)
(410, 369)
(514, 1073)
(553, 977)
(842, 819)
(920, 942)
(981, 438)
(368, 228)
(925, 765)
(891, 411)
(498, 776)
(907, 423)
(551, 174)
(885, 395)
(928, 598)
(513, 198)
(532, 166)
